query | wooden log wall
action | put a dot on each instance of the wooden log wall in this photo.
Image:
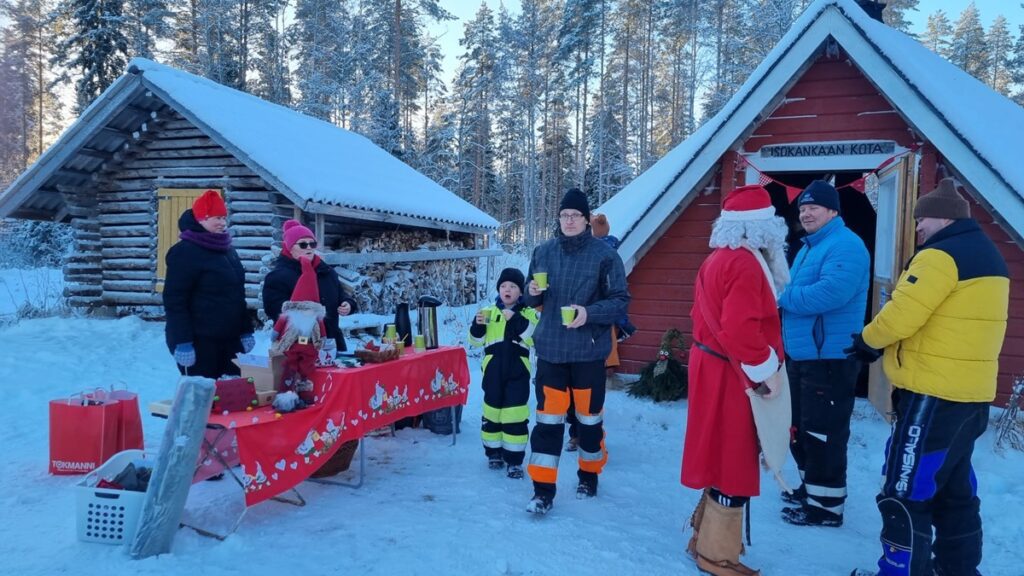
(378, 288)
(174, 154)
(82, 272)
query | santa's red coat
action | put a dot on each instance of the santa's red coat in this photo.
(721, 447)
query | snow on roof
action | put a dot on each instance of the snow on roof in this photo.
(934, 104)
(317, 161)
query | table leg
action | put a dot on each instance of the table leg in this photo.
(455, 425)
(362, 470)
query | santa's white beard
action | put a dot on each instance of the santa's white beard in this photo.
(766, 236)
(300, 322)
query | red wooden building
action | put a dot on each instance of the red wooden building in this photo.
(846, 98)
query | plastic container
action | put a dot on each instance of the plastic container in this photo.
(106, 515)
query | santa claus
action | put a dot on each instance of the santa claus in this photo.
(737, 346)
(299, 335)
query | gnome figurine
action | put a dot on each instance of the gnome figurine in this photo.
(300, 332)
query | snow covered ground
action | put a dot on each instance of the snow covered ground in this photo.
(426, 508)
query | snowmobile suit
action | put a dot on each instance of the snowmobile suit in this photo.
(506, 381)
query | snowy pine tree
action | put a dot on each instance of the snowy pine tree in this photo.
(969, 50)
(1000, 52)
(148, 22)
(95, 46)
(938, 34)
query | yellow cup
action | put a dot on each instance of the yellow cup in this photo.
(568, 315)
(541, 278)
(486, 316)
(419, 343)
(401, 347)
(390, 333)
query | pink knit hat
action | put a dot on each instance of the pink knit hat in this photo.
(293, 232)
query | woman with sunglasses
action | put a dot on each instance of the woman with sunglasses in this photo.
(298, 242)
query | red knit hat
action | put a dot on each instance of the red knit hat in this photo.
(306, 289)
(208, 205)
(748, 203)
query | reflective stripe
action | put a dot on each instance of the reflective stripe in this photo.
(526, 362)
(543, 474)
(833, 509)
(491, 413)
(818, 435)
(544, 460)
(591, 456)
(591, 419)
(550, 418)
(492, 443)
(825, 492)
(514, 446)
(512, 414)
(486, 361)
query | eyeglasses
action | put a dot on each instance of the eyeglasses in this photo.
(305, 245)
(570, 217)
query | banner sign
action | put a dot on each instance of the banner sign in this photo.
(828, 149)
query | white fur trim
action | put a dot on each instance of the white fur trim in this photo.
(764, 370)
(759, 214)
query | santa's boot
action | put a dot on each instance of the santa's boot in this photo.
(695, 519)
(719, 541)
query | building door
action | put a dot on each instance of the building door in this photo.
(171, 203)
(894, 198)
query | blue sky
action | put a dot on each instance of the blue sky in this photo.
(465, 9)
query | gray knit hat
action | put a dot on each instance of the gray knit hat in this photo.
(943, 202)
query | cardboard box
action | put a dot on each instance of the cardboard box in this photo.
(265, 372)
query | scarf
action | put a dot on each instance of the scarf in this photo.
(209, 240)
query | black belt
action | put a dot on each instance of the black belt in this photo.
(710, 351)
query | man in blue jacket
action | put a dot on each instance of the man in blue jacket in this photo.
(824, 303)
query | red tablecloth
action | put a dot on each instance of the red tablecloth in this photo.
(278, 452)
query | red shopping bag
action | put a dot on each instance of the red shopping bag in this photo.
(129, 417)
(83, 434)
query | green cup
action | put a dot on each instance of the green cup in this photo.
(568, 315)
(419, 343)
(541, 278)
(390, 334)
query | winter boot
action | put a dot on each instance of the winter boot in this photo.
(797, 497)
(587, 487)
(540, 504)
(695, 519)
(719, 541)
(573, 445)
(494, 462)
(515, 472)
(863, 572)
(811, 516)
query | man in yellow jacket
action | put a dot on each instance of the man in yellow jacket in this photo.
(941, 333)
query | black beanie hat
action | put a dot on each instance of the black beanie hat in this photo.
(574, 199)
(511, 275)
(820, 193)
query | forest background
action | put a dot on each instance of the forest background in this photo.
(553, 94)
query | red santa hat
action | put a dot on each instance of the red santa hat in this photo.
(306, 289)
(748, 203)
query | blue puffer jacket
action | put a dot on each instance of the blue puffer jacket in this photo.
(827, 297)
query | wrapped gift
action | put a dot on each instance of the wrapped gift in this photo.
(234, 394)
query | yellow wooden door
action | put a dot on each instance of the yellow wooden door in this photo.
(171, 203)
(894, 245)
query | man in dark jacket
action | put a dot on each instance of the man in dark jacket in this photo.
(299, 241)
(208, 321)
(585, 294)
(942, 332)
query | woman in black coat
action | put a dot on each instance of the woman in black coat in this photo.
(279, 283)
(208, 321)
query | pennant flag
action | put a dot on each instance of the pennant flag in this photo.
(792, 192)
(857, 185)
(763, 179)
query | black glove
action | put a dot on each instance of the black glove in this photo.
(861, 351)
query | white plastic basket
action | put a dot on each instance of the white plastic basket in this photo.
(106, 515)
